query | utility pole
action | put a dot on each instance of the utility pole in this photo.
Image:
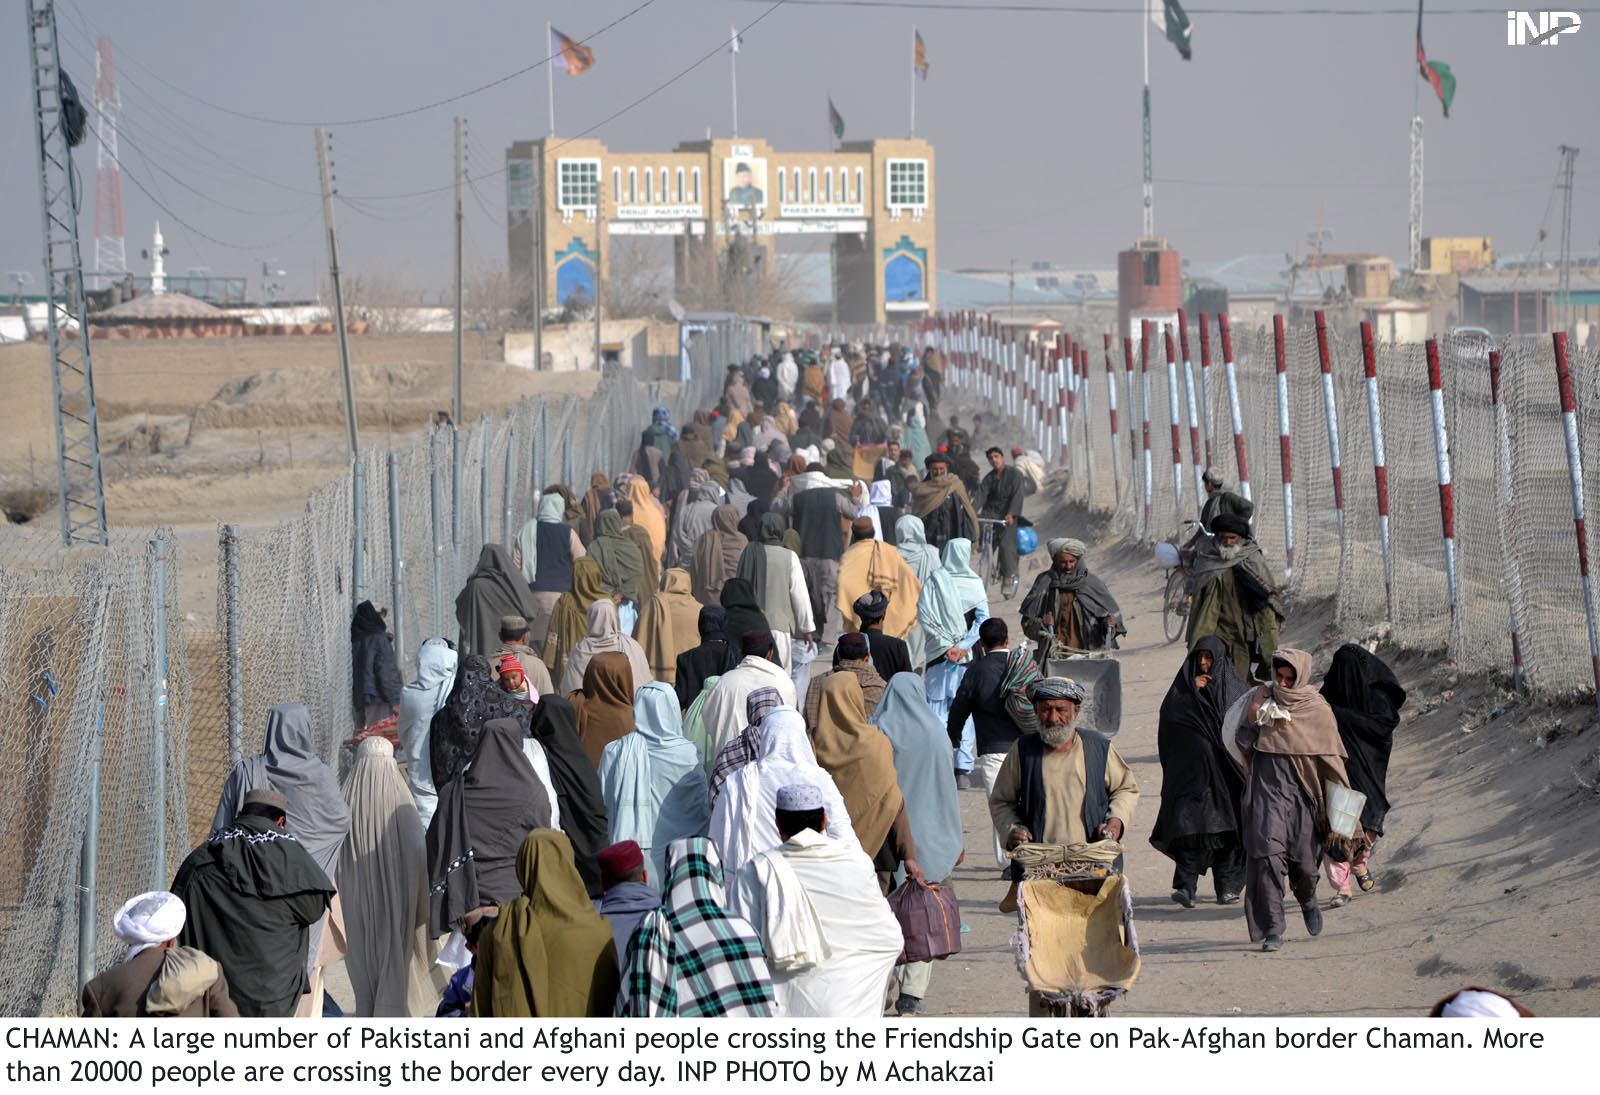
(1569, 163)
(338, 293)
(456, 408)
(538, 260)
(599, 290)
(1011, 291)
(1414, 242)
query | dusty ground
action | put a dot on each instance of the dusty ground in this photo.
(1486, 873)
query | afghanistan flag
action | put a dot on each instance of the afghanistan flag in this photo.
(835, 120)
(570, 55)
(1171, 21)
(1436, 73)
(919, 55)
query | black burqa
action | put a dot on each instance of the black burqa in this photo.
(744, 614)
(583, 808)
(1366, 699)
(483, 817)
(1201, 785)
(493, 590)
(474, 701)
(706, 660)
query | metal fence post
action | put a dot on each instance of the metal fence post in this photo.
(508, 490)
(396, 563)
(1174, 414)
(1205, 391)
(456, 474)
(1505, 523)
(566, 457)
(1380, 464)
(483, 490)
(436, 507)
(358, 530)
(158, 699)
(231, 609)
(1144, 419)
(1330, 410)
(1111, 409)
(1569, 429)
(542, 471)
(89, 862)
(1441, 454)
(1285, 461)
(1225, 332)
(1194, 410)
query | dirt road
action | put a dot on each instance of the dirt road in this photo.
(1486, 871)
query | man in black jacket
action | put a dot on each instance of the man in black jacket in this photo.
(889, 654)
(375, 679)
(1000, 499)
(981, 696)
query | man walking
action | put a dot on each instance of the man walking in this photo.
(982, 697)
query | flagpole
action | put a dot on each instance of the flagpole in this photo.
(1149, 224)
(550, 73)
(733, 66)
(913, 79)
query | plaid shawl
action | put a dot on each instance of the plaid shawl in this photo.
(745, 746)
(690, 957)
(1020, 673)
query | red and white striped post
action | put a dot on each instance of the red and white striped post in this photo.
(1173, 416)
(1331, 411)
(1080, 360)
(1441, 454)
(1569, 427)
(1280, 364)
(1235, 419)
(1111, 408)
(1508, 511)
(1380, 466)
(1144, 416)
(1205, 389)
(1133, 429)
(1066, 375)
(1194, 411)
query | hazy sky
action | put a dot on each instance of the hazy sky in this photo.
(1281, 123)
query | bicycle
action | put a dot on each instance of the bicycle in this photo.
(988, 547)
(1175, 601)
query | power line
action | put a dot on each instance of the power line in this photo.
(1125, 10)
(385, 117)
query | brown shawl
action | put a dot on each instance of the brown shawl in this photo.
(859, 758)
(591, 506)
(605, 703)
(873, 564)
(716, 555)
(670, 626)
(569, 620)
(1309, 738)
(651, 582)
(840, 423)
(929, 494)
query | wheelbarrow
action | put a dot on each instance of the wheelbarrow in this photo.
(1100, 676)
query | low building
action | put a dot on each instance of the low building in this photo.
(1527, 303)
(1455, 255)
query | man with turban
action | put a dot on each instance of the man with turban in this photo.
(157, 977)
(1069, 607)
(942, 502)
(1234, 596)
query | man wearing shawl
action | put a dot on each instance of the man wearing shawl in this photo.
(419, 702)
(660, 433)
(758, 667)
(495, 589)
(1366, 699)
(622, 568)
(820, 514)
(778, 581)
(156, 976)
(1198, 826)
(703, 661)
(746, 746)
(483, 815)
(604, 703)
(941, 501)
(693, 517)
(1234, 595)
(653, 780)
(549, 953)
(861, 762)
(1220, 500)
(716, 555)
(374, 675)
(828, 933)
(736, 393)
(1068, 608)
(986, 696)
(383, 886)
(605, 637)
(917, 736)
(1000, 499)
(952, 608)
(890, 655)
(690, 957)
(851, 655)
(252, 890)
(599, 498)
(873, 566)
(569, 621)
(1289, 742)
(650, 580)
(667, 629)
(1059, 786)
(549, 551)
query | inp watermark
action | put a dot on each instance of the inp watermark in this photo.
(1540, 28)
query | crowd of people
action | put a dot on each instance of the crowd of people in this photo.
(625, 787)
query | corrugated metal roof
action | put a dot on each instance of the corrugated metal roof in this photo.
(1584, 282)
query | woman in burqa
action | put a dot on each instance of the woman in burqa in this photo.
(1290, 744)
(383, 884)
(569, 620)
(1366, 698)
(494, 590)
(621, 561)
(705, 660)
(1198, 827)
(549, 953)
(484, 814)
(605, 636)
(604, 704)
(582, 808)
(716, 555)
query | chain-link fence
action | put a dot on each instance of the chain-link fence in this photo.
(1512, 548)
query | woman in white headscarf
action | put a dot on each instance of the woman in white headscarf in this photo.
(548, 571)
(383, 884)
(954, 603)
(420, 700)
(605, 634)
(742, 822)
(653, 781)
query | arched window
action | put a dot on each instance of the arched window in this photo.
(827, 184)
(616, 184)
(663, 180)
(695, 175)
(680, 185)
(783, 180)
(811, 185)
(861, 193)
(633, 184)
(649, 186)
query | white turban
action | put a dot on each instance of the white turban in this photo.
(149, 920)
(1473, 1004)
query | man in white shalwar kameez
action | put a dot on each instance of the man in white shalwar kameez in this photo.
(829, 936)
(725, 709)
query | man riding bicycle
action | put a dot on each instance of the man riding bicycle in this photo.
(1000, 499)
